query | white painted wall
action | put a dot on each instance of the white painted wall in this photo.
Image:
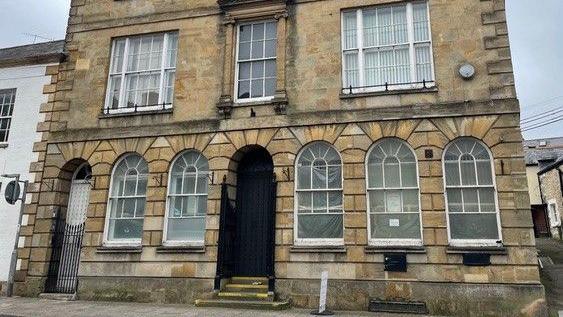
(17, 156)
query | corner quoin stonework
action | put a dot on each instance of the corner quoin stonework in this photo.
(73, 132)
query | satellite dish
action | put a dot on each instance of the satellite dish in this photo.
(12, 192)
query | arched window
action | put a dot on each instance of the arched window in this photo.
(471, 194)
(393, 194)
(187, 199)
(126, 206)
(319, 211)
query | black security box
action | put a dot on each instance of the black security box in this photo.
(476, 259)
(395, 262)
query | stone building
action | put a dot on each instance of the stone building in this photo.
(24, 70)
(165, 126)
(545, 184)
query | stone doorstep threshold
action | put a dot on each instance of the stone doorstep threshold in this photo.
(243, 304)
(58, 296)
(382, 306)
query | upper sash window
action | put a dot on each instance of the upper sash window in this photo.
(142, 73)
(386, 48)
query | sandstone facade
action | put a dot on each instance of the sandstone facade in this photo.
(313, 108)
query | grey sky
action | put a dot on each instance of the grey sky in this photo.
(536, 35)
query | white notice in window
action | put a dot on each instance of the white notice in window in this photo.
(394, 223)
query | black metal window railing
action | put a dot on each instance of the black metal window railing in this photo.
(137, 108)
(425, 84)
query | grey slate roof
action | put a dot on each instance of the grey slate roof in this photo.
(48, 52)
(543, 151)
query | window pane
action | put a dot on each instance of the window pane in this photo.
(305, 202)
(271, 69)
(474, 226)
(393, 201)
(257, 31)
(400, 24)
(487, 198)
(245, 33)
(172, 49)
(454, 200)
(377, 201)
(125, 228)
(169, 81)
(395, 226)
(387, 66)
(189, 184)
(408, 175)
(423, 63)
(470, 200)
(484, 173)
(375, 175)
(420, 17)
(270, 48)
(244, 51)
(244, 71)
(244, 89)
(370, 27)
(257, 70)
(402, 66)
(391, 170)
(335, 201)
(115, 87)
(187, 229)
(334, 177)
(118, 55)
(271, 30)
(410, 201)
(384, 16)
(350, 26)
(257, 50)
(371, 68)
(303, 177)
(467, 165)
(452, 173)
(320, 200)
(351, 72)
(270, 88)
(257, 87)
(320, 226)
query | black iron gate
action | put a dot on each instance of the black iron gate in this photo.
(66, 243)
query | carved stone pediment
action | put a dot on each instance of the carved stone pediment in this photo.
(228, 5)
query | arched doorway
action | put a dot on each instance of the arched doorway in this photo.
(67, 236)
(255, 209)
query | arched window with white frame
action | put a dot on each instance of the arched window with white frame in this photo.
(318, 194)
(187, 199)
(127, 200)
(473, 217)
(393, 194)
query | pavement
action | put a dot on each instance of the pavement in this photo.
(33, 307)
(551, 257)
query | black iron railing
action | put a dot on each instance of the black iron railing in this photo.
(66, 243)
(388, 87)
(272, 242)
(136, 108)
(227, 235)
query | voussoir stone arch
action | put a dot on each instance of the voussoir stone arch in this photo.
(476, 127)
(328, 133)
(383, 129)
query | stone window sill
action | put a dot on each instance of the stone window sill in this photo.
(133, 114)
(395, 249)
(389, 93)
(318, 249)
(181, 249)
(489, 250)
(120, 249)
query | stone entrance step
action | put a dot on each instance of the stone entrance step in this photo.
(260, 305)
(58, 296)
(245, 293)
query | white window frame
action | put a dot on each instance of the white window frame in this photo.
(165, 241)
(12, 92)
(237, 63)
(122, 90)
(472, 242)
(392, 242)
(554, 215)
(361, 49)
(317, 241)
(121, 242)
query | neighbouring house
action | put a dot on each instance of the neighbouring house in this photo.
(222, 151)
(24, 71)
(545, 180)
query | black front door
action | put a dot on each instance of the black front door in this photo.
(254, 234)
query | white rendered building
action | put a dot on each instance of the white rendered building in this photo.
(23, 72)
